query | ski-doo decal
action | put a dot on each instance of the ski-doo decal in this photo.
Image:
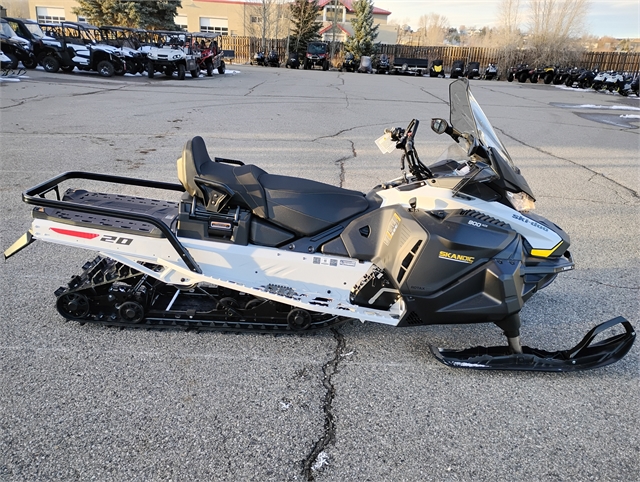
(77, 234)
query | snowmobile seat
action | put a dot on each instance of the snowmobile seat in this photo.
(303, 206)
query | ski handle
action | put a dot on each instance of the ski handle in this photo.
(589, 337)
(36, 197)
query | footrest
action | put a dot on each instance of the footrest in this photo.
(585, 355)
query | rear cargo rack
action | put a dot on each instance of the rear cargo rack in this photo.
(36, 196)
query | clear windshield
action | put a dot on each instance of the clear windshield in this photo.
(6, 30)
(35, 30)
(468, 117)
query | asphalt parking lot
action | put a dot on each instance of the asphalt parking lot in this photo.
(364, 401)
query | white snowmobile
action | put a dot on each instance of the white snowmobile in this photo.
(244, 250)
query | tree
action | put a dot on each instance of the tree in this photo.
(364, 31)
(554, 28)
(304, 15)
(432, 29)
(149, 14)
(265, 19)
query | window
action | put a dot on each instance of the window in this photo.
(214, 24)
(255, 19)
(181, 22)
(50, 15)
(82, 19)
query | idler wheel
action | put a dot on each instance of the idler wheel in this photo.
(227, 302)
(131, 312)
(73, 306)
(298, 319)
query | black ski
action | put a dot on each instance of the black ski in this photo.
(584, 356)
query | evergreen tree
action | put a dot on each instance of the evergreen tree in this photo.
(364, 31)
(304, 16)
(149, 14)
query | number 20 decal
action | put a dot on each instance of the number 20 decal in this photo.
(116, 240)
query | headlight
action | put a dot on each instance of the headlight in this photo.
(521, 201)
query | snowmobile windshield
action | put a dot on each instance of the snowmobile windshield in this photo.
(468, 117)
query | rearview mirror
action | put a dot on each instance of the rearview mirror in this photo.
(439, 126)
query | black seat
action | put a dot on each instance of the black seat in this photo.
(300, 205)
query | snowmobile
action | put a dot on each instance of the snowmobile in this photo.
(239, 249)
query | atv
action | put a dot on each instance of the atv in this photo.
(234, 248)
(81, 49)
(436, 69)
(175, 52)
(317, 54)
(349, 64)
(210, 58)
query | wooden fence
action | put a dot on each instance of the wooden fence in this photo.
(245, 47)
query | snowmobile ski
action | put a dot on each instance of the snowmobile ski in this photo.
(584, 356)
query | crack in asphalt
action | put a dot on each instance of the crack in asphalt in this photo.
(634, 288)
(329, 370)
(633, 193)
(251, 89)
(341, 162)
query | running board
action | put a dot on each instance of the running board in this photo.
(583, 356)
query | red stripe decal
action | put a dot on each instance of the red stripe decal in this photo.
(77, 234)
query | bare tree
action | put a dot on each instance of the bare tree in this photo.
(554, 29)
(266, 19)
(432, 29)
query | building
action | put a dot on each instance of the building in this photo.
(235, 18)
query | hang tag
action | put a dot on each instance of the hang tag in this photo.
(385, 144)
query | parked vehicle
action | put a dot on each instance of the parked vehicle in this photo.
(634, 85)
(6, 63)
(491, 72)
(293, 60)
(604, 80)
(585, 79)
(457, 69)
(473, 70)
(349, 64)
(436, 69)
(81, 50)
(175, 52)
(40, 44)
(521, 73)
(561, 75)
(259, 59)
(211, 57)
(273, 59)
(16, 48)
(410, 66)
(234, 248)
(545, 74)
(317, 55)
(573, 75)
(382, 65)
(366, 66)
(614, 81)
(124, 39)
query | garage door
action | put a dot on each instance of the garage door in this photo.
(50, 15)
(214, 24)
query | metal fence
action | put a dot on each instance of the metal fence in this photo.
(245, 47)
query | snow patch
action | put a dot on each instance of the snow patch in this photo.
(630, 116)
(595, 106)
(321, 461)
